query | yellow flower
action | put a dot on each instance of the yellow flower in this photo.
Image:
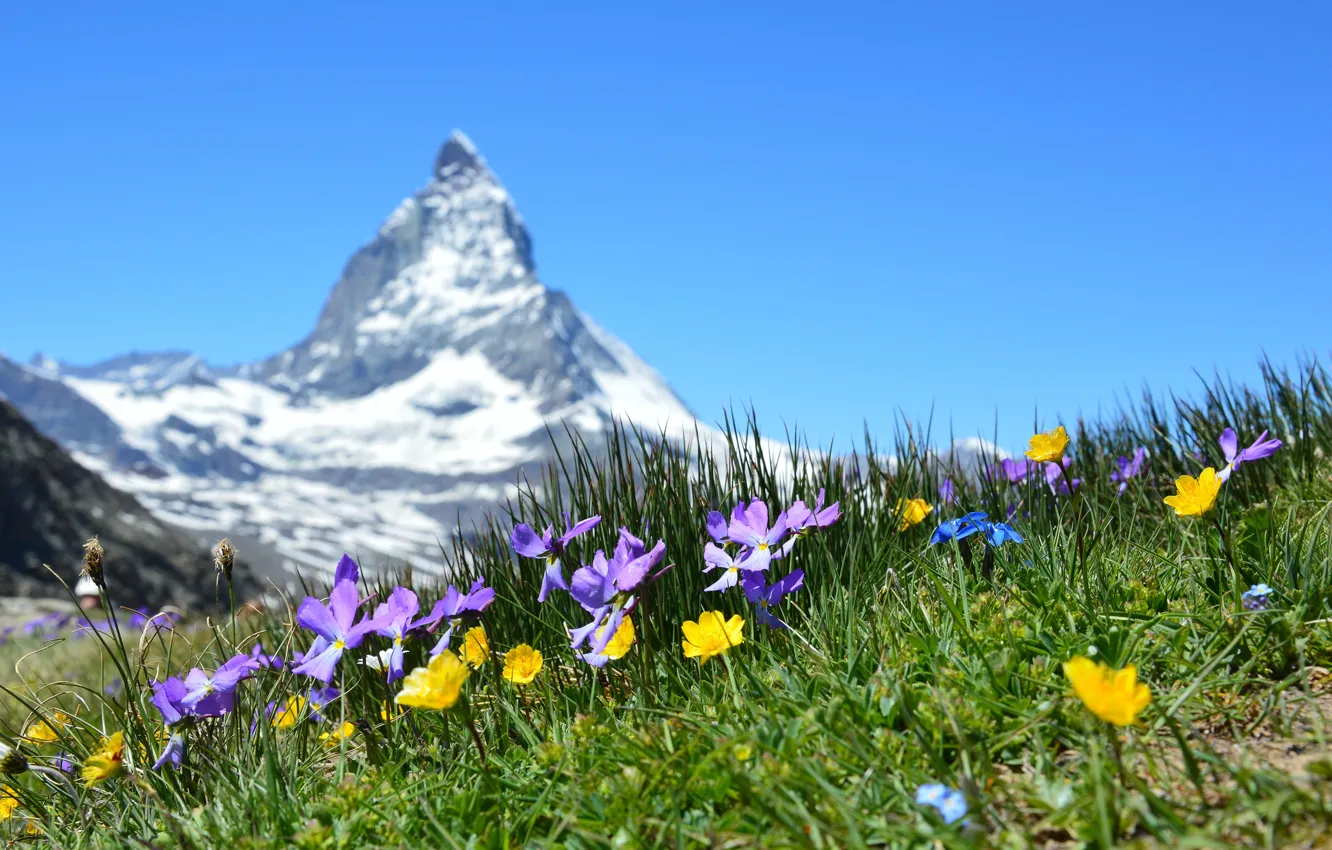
(1049, 447)
(46, 731)
(287, 715)
(911, 512)
(342, 733)
(389, 711)
(1115, 696)
(107, 762)
(8, 802)
(437, 686)
(476, 649)
(1196, 496)
(711, 635)
(621, 642)
(521, 664)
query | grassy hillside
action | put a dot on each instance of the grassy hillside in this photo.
(906, 664)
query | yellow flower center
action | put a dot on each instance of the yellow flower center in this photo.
(339, 644)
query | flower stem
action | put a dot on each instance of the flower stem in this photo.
(476, 736)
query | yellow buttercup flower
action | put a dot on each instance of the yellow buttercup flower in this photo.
(1195, 496)
(911, 512)
(521, 664)
(711, 635)
(621, 642)
(435, 687)
(1115, 696)
(389, 711)
(476, 649)
(107, 762)
(342, 733)
(8, 802)
(46, 731)
(287, 716)
(1049, 447)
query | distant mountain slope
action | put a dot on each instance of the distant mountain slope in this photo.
(49, 505)
(427, 384)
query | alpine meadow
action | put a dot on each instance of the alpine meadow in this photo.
(1120, 639)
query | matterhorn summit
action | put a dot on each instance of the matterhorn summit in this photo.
(427, 384)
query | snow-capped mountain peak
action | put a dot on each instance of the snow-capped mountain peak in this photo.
(427, 384)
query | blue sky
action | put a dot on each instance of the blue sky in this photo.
(839, 213)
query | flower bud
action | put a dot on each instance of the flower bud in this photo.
(12, 762)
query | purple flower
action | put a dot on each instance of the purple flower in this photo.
(765, 597)
(346, 570)
(211, 695)
(605, 589)
(168, 697)
(262, 660)
(1261, 448)
(333, 623)
(716, 526)
(394, 617)
(1057, 477)
(946, 492)
(318, 699)
(750, 529)
(1016, 471)
(453, 608)
(174, 754)
(526, 542)
(63, 763)
(799, 518)
(715, 557)
(1129, 468)
(139, 618)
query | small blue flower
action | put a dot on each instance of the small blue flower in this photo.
(1255, 598)
(950, 804)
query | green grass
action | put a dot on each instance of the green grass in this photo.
(903, 666)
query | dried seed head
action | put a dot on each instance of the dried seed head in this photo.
(12, 762)
(92, 561)
(224, 557)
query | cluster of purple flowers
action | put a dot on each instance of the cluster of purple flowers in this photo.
(52, 626)
(607, 589)
(1129, 468)
(201, 694)
(757, 545)
(1021, 471)
(337, 630)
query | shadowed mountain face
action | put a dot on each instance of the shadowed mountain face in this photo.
(425, 389)
(50, 505)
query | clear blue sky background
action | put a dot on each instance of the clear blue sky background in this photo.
(836, 212)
